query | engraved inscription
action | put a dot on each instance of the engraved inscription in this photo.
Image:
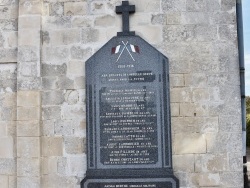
(128, 125)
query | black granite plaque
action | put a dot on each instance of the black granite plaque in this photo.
(128, 115)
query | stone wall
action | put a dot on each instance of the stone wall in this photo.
(56, 37)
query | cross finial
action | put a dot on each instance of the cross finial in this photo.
(125, 9)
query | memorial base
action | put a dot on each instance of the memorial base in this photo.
(168, 182)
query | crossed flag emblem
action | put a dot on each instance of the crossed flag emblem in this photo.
(129, 48)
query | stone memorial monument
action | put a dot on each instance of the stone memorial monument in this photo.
(128, 114)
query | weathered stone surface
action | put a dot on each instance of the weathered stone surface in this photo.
(28, 128)
(7, 166)
(89, 35)
(54, 70)
(52, 146)
(28, 98)
(27, 182)
(28, 167)
(228, 5)
(29, 69)
(173, 5)
(175, 109)
(50, 83)
(232, 179)
(56, 9)
(75, 8)
(180, 95)
(77, 52)
(28, 113)
(59, 181)
(65, 127)
(4, 181)
(28, 147)
(8, 55)
(80, 82)
(51, 112)
(211, 162)
(63, 37)
(65, 83)
(28, 53)
(193, 143)
(196, 6)
(73, 112)
(77, 165)
(184, 163)
(52, 97)
(71, 97)
(74, 145)
(29, 83)
(209, 179)
(177, 80)
(6, 147)
(235, 161)
(56, 53)
(105, 21)
(47, 128)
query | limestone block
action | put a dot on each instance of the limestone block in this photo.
(195, 18)
(56, 9)
(62, 166)
(146, 5)
(29, 37)
(8, 24)
(228, 32)
(80, 21)
(75, 8)
(11, 128)
(28, 128)
(196, 80)
(73, 112)
(173, 18)
(235, 161)
(90, 35)
(211, 124)
(13, 181)
(28, 53)
(177, 66)
(29, 83)
(53, 70)
(4, 181)
(98, 7)
(232, 179)
(224, 17)
(186, 124)
(200, 95)
(28, 113)
(74, 145)
(76, 68)
(77, 165)
(29, 69)
(175, 109)
(8, 71)
(52, 97)
(153, 34)
(65, 127)
(228, 5)
(56, 54)
(213, 5)
(8, 12)
(29, 22)
(7, 166)
(80, 82)
(71, 97)
(11, 39)
(224, 142)
(8, 86)
(230, 124)
(64, 37)
(3, 128)
(50, 83)
(205, 33)
(187, 109)
(160, 19)
(8, 55)
(173, 5)
(51, 112)
(105, 21)
(183, 163)
(52, 146)
(58, 181)
(30, 7)
(57, 22)
(196, 6)
(209, 179)
(178, 33)
(9, 99)
(193, 143)
(28, 147)
(48, 127)
(6, 147)
(49, 165)
(65, 83)
(77, 52)
(28, 182)
(28, 167)
(8, 113)
(176, 80)
(180, 95)
(211, 162)
(28, 98)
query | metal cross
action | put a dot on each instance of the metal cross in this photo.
(125, 9)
